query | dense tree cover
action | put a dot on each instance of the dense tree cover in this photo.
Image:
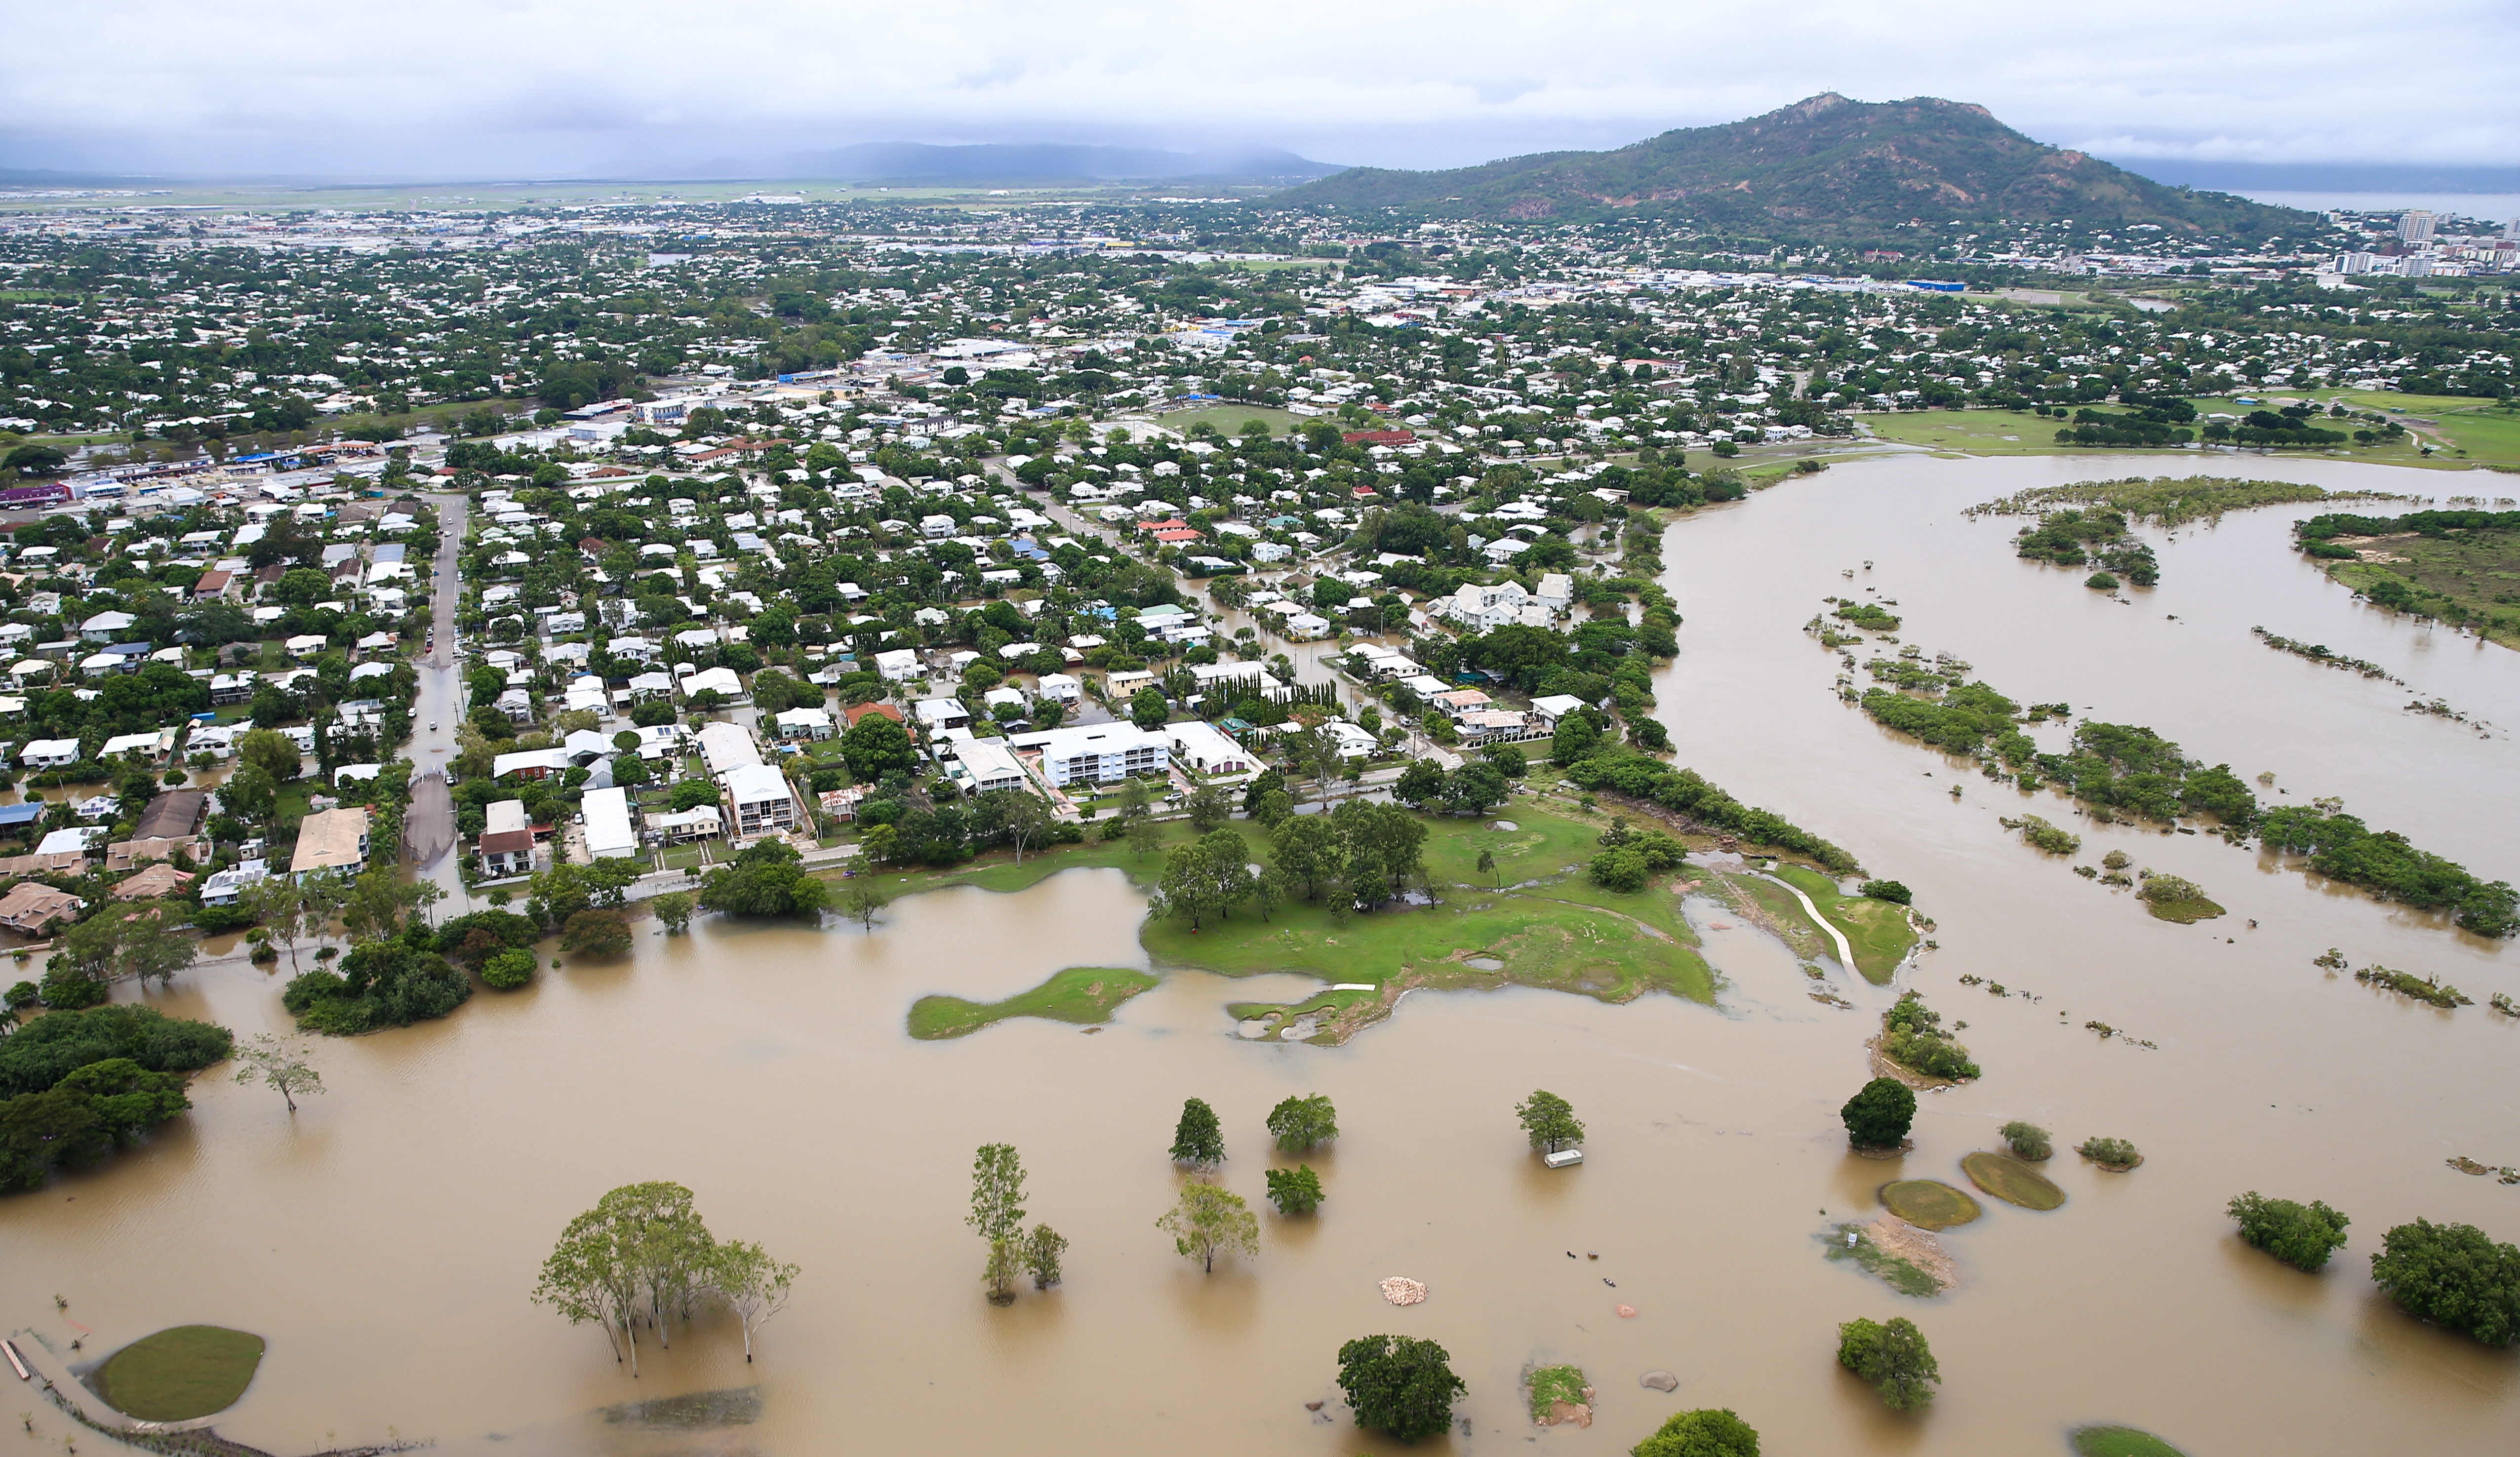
(1913, 1035)
(2454, 1276)
(1399, 1386)
(75, 1084)
(1360, 855)
(2431, 523)
(381, 983)
(1879, 1114)
(2300, 1235)
(2341, 845)
(1684, 792)
(764, 880)
(877, 745)
(2072, 537)
(1893, 1356)
(1704, 1433)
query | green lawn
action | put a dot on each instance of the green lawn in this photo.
(1082, 995)
(2011, 1180)
(1929, 1204)
(1230, 419)
(181, 1373)
(2485, 434)
(1880, 932)
(2121, 1441)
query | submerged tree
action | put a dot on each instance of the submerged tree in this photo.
(1196, 1139)
(754, 1285)
(279, 1064)
(1303, 1123)
(1893, 1356)
(1042, 1249)
(1399, 1384)
(1296, 1191)
(1548, 1120)
(1209, 1222)
(997, 1214)
(1879, 1113)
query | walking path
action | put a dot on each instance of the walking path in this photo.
(1845, 952)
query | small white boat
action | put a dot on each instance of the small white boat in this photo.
(1564, 1158)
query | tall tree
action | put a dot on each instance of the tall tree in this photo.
(862, 901)
(1209, 1222)
(1399, 1384)
(997, 1214)
(754, 1286)
(1197, 1140)
(1893, 1357)
(279, 1064)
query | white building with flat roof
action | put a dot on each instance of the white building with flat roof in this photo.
(1209, 750)
(1091, 753)
(758, 798)
(988, 764)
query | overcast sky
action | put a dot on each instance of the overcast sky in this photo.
(568, 87)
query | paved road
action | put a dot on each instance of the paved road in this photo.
(429, 825)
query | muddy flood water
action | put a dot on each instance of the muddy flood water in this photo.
(385, 1239)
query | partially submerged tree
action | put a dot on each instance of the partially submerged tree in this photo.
(2302, 1236)
(862, 901)
(1197, 1139)
(279, 1064)
(1296, 1191)
(674, 908)
(1399, 1384)
(1303, 1123)
(1893, 1357)
(754, 1285)
(1042, 1249)
(1879, 1114)
(1209, 1222)
(1548, 1121)
(997, 1214)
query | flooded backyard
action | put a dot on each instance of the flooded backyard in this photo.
(385, 1239)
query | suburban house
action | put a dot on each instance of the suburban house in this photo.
(608, 832)
(531, 764)
(34, 908)
(225, 887)
(987, 764)
(759, 799)
(1548, 711)
(805, 722)
(506, 843)
(937, 714)
(1207, 749)
(332, 841)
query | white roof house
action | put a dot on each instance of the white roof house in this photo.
(609, 835)
(1555, 706)
(805, 722)
(726, 747)
(724, 679)
(990, 765)
(48, 752)
(1062, 686)
(900, 664)
(1209, 750)
(759, 798)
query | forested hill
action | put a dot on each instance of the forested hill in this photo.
(1826, 168)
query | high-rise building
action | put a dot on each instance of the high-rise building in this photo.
(2415, 226)
(2511, 230)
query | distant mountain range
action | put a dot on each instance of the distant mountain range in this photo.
(1826, 168)
(2325, 177)
(1034, 164)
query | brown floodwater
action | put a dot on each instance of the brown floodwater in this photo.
(385, 1240)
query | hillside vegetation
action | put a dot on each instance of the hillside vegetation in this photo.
(1823, 167)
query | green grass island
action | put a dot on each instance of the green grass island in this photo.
(1535, 920)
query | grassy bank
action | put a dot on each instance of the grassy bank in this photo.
(1086, 996)
(2464, 432)
(1881, 933)
(2469, 575)
(178, 1374)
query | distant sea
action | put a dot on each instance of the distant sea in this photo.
(2500, 207)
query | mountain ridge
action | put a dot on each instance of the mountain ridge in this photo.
(1825, 167)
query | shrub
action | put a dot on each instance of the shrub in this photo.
(2100, 582)
(2028, 1141)
(1296, 1191)
(1893, 1356)
(2300, 1235)
(1705, 1432)
(2454, 1276)
(594, 933)
(1879, 1114)
(2112, 1151)
(68, 989)
(509, 970)
(1884, 890)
